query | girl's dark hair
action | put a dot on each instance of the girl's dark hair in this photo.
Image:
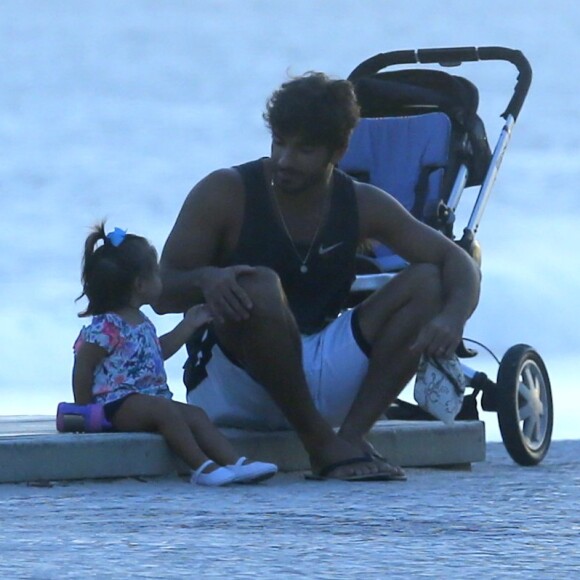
(109, 271)
(322, 110)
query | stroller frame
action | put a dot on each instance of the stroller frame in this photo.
(521, 394)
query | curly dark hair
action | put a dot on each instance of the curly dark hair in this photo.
(109, 271)
(322, 110)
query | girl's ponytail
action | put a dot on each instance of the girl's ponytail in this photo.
(111, 264)
(97, 233)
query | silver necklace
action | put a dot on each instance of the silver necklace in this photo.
(303, 261)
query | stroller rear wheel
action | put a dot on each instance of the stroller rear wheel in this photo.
(525, 410)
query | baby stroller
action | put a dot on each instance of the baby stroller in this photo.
(420, 138)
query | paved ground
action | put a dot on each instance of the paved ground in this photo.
(497, 520)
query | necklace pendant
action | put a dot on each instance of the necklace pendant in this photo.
(304, 268)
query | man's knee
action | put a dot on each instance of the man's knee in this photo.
(426, 281)
(263, 287)
(427, 273)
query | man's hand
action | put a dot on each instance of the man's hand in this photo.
(439, 337)
(225, 298)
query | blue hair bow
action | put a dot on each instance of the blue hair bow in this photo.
(116, 237)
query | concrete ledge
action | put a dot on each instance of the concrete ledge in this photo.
(31, 449)
(406, 443)
(83, 456)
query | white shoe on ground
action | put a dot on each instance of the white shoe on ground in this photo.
(215, 478)
(252, 472)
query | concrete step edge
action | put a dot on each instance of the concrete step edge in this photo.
(26, 456)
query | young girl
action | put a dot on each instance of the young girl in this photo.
(119, 359)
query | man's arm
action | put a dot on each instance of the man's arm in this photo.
(204, 233)
(385, 220)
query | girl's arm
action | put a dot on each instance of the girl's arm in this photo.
(176, 338)
(87, 358)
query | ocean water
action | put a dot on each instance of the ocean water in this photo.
(115, 110)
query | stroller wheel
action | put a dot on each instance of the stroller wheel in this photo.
(525, 410)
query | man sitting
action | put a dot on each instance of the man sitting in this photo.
(270, 247)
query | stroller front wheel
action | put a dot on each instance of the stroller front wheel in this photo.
(525, 410)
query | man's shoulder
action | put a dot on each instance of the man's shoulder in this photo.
(229, 179)
(222, 178)
(371, 194)
(375, 206)
(218, 188)
(368, 197)
(256, 166)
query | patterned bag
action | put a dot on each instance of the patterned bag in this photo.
(440, 387)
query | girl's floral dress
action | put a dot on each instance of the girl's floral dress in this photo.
(134, 363)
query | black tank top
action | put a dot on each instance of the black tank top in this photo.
(316, 296)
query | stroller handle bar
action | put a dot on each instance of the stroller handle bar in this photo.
(455, 57)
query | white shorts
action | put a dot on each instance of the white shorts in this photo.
(334, 364)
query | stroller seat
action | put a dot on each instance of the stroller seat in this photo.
(407, 157)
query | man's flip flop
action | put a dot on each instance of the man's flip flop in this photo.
(323, 474)
(397, 473)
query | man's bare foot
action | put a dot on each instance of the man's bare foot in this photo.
(340, 459)
(367, 448)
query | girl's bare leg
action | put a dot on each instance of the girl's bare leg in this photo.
(156, 414)
(209, 438)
